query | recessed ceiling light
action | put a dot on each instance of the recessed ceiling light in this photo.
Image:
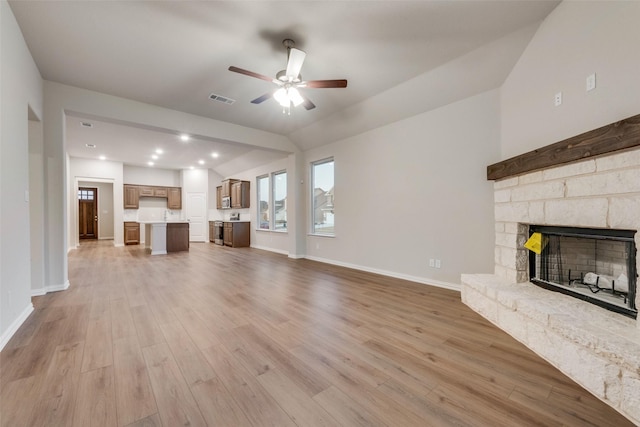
(159, 151)
(90, 145)
(150, 163)
(154, 157)
(184, 137)
(103, 158)
(191, 167)
(214, 155)
(201, 162)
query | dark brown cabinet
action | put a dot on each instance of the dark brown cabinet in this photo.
(131, 197)
(131, 233)
(177, 236)
(237, 234)
(219, 197)
(132, 194)
(174, 198)
(240, 195)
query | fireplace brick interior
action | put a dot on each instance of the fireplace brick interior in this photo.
(597, 348)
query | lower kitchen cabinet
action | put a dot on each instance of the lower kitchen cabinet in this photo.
(131, 233)
(177, 236)
(237, 234)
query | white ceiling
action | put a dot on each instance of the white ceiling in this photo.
(175, 53)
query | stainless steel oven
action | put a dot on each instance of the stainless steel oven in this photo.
(218, 232)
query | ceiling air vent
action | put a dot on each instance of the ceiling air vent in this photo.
(221, 98)
(86, 124)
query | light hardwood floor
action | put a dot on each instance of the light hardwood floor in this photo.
(242, 337)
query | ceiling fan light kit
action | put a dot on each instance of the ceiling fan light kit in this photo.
(289, 80)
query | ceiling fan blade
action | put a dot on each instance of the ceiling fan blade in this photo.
(261, 99)
(250, 73)
(307, 103)
(324, 84)
(294, 63)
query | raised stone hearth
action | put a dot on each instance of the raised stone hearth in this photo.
(597, 348)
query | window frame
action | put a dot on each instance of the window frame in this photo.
(271, 199)
(312, 229)
(259, 221)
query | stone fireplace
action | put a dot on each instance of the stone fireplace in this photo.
(596, 346)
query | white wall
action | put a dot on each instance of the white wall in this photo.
(96, 171)
(275, 241)
(36, 207)
(151, 176)
(576, 39)
(414, 190)
(105, 207)
(20, 89)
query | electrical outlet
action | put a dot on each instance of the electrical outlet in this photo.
(557, 99)
(438, 263)
(432, 263)
(591, 82)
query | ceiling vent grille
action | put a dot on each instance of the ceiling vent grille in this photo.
(221, 98)
(86, 124)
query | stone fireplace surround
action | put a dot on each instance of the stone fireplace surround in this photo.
(597, 348)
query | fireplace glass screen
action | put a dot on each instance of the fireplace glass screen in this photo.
(594, 265)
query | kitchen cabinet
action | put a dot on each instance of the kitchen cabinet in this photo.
(240, 195)
(132, 194)
(174, 198)
(177, 236)
(131, 197)
(236, 234)
(226, 187)
(212, 230)
(219, 197)
(145, 191)
(131, 233)
(159, 191)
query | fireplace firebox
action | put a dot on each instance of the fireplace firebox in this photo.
(594, 265)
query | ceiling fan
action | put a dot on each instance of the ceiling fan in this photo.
(289, 80)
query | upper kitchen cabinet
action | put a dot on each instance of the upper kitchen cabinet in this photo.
(226, 187)
(131, 197)
(174, 198)
(132, 194)
(240, 195)
(219, 197)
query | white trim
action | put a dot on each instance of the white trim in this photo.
(105, 238)
(38, 292)
(422, 280)
(296, 256)
(13, 328)
(265, 248)
(47, 289)
(119, 245)
(71, 248)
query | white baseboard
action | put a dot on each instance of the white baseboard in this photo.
(296, 256)
(118, 245)
(265, 248)
(47, 289)
(71, 248)
(105, 238)
(422, 280)
(6, 336)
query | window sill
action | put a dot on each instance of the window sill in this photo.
(322, 235)
(264, 230)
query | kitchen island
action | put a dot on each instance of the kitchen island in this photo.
(162, 237)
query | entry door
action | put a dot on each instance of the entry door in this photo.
(197, 215)
(88, 212)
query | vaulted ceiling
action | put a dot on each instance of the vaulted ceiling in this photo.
(175, 54)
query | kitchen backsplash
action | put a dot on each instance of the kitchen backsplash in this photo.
(152, 214)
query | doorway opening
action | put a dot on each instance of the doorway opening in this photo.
(88, 213)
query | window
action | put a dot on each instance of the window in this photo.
(263, 202)
(85, 194)
(280, 201)
(322, 197)
(272, 201)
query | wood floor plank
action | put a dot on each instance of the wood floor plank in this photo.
(301, 408)
(134, 397)
(98, 348)
(96, 400)
(256, 403)
(176, 405)
(244, 337)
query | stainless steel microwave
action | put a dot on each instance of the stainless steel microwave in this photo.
(226, 202)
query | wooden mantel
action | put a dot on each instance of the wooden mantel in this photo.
(616, 136)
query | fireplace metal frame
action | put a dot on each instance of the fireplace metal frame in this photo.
(598, 234)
